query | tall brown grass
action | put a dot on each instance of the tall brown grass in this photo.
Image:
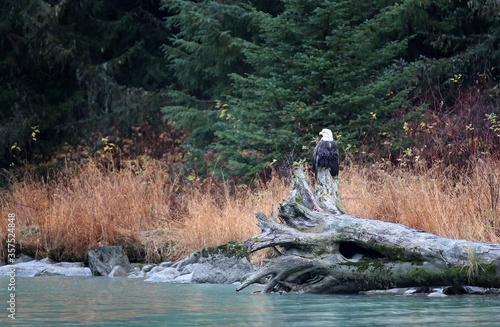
(465, 207)
(220, 212)
(84, 207)
(89, 206)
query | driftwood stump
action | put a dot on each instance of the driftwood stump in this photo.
(324, 250)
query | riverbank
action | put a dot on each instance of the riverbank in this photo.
(160, 217)
(167, 272)
(225, 264)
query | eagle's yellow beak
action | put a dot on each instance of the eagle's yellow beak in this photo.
(320, 133)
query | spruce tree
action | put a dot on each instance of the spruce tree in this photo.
(357, 67)
(72, 68)
(335, 64)
(203, 51)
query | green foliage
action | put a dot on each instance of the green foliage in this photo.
(203, 51)
(456, 44)
(319, 64)
(361, 68)
(251, 82)
(74, 68)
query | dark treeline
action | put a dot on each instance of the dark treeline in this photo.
(242, 87)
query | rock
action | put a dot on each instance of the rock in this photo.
(224, 264)
(390, 291)
(48, 261)
(23, 258)
(104, 258)
(117, 271)
(459, 290)
(435, 291)
(189, 260)
(137, 274)
(166, 264)
(165, 275)
(45, 267)
(187, 270)
(184, 279)
(46, 272)
(157, 268)
(67, 264)
(147, 268)
(154, 270)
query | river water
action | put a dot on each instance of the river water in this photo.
(103, 301)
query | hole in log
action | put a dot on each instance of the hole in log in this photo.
(352, 251)
(308, 278)
(278, 288)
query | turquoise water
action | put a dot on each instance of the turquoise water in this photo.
(102, 301)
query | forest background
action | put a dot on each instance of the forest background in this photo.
(176, 101)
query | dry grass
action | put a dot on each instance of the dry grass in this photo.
(91, 206)
(220, 212)
(465, 208)
(83, 208)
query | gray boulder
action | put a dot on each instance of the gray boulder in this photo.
(164, 275)
(23, 258)
(117, 271)
(184, 279)
(224, 264)
(189, 260)
(46, 267)
(459, 290)
(103, 259)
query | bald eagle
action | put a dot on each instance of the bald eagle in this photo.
(326, 154)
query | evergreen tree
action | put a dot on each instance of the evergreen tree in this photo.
(336, 64)
(72, 68)
(204, 50)
(456, 43)
(357, 67)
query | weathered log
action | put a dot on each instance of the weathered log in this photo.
(325, 250)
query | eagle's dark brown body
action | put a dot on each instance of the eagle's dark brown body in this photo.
(326, 154)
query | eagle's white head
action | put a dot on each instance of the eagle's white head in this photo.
(327, 134)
